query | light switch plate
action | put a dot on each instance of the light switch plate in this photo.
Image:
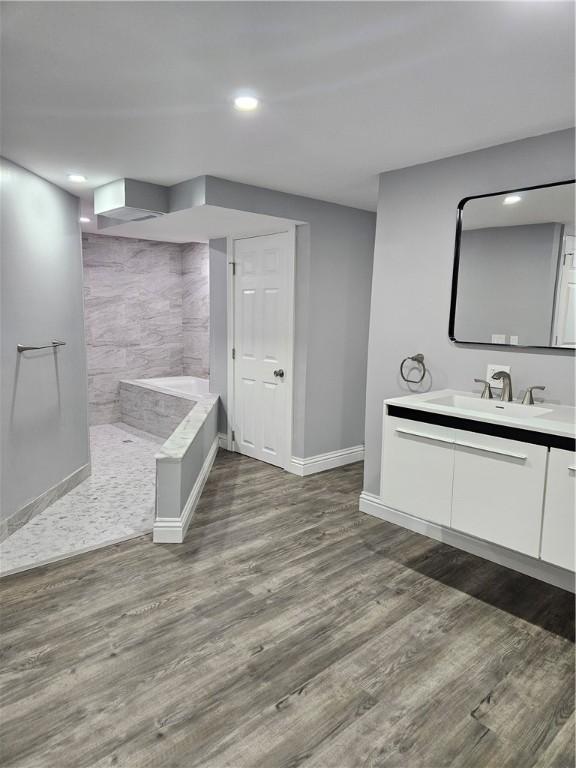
(491, 370)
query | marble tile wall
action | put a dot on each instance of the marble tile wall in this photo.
(196, 309)
(136, 295)
(154, 412)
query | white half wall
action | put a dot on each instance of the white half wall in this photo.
(182, 468)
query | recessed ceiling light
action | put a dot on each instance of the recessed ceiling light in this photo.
(246, 103)
(511, 199)
(76, 178)
(85, 220)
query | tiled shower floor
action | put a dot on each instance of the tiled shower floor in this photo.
(116, 502)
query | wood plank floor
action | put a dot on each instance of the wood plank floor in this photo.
(288, 630)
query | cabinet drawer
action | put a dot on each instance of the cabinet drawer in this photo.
(558, 525)
(498, 490)
(417, 467)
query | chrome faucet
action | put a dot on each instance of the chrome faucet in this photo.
(486, 391)
(529, 397)
(506, 395)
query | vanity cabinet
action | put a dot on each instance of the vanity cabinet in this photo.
(417, 469)
(494, 478)
(498, 490)
(511, 492)
(559, 510)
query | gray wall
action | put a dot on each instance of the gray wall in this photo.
(334, 252)
(146, 306)
(413, 270)
(43, 394)
(506, 283)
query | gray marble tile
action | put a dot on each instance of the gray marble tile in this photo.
(196, 309)
(152, 411)
(105, 358)
(38, 505)
(179, 441)
(104, 397)
(146, 314)
(105, 413)
(195, 366)
(147, 360)
(195, 258)
(112, 321)
(196, 324)
(116, 502)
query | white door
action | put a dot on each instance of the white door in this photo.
(263, 300)
(564, 334)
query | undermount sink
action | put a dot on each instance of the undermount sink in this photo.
(514, 410)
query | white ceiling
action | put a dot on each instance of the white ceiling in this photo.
(537, 206)
(144, 89)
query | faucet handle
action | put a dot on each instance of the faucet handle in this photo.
(486, 392)
(528, 398)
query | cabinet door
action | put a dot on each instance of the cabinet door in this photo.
(498, 490)
(417, 465)
(559, 512)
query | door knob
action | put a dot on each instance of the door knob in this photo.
(279, 373)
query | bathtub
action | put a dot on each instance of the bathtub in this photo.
(182, 386)
(159, 405)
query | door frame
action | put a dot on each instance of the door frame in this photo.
(561, 279)
(290, 230)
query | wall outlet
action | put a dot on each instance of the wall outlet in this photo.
(491, 370)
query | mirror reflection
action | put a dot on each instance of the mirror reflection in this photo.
(516, 280)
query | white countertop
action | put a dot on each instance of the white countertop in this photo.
(558, 420)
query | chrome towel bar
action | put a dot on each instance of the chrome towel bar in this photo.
(52, 345)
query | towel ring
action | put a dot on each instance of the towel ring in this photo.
(419, 360)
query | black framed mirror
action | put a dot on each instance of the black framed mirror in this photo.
(514, 277)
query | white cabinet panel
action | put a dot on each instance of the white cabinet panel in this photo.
(558, 527)
(417, 467)
(498, 490)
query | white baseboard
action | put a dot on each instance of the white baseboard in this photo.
(223, 440)
(538, 569)
(167, 530)
(324, 461)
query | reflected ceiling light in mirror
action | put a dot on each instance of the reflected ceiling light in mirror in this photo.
(511, 199)
(246, 103)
